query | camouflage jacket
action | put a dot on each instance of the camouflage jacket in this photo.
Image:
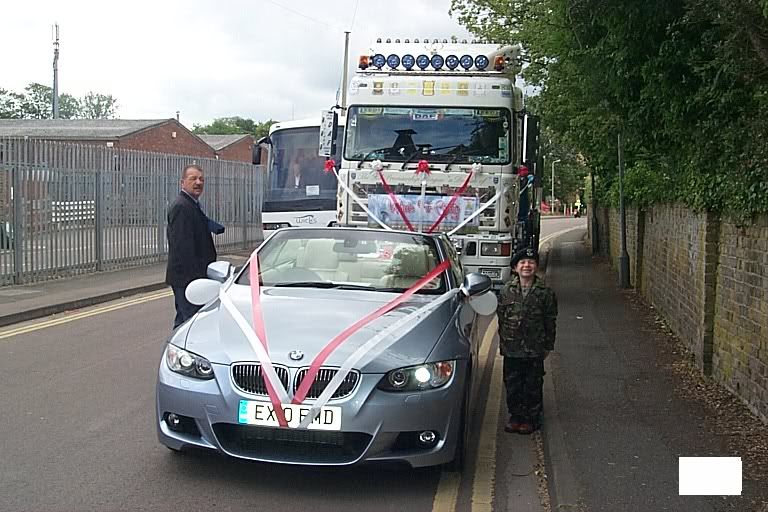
(527, 325)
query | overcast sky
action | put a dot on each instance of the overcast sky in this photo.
(260, 59)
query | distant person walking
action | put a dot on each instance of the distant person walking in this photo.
(527, 314)
(190, 244)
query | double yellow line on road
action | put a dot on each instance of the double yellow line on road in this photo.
(77, 316)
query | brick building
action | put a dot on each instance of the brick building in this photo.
(237, 147)
(158, 135)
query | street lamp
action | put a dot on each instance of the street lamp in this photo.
(553, 184)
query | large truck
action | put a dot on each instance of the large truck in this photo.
(437, 139)
(297, 190)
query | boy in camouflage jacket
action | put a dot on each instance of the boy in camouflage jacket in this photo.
(527, 314)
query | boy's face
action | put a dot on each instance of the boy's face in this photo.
(526, 267)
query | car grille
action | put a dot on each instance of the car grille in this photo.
(248, 377)
(322, 380)
(292, 445)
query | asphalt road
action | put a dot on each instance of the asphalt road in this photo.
(78, 432)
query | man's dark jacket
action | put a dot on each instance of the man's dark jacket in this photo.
(190, 244)
(527, 324)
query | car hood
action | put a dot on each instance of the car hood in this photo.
(307, 319)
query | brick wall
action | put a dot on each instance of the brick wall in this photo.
(740, 355)
(241, 151)
(161, 139)
(709, 280)
(673, 264)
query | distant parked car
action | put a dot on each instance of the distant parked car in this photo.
(401, 387)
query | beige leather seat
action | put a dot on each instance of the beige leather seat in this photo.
(320, 258)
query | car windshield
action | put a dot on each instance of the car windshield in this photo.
(348, 259)
(437, 134)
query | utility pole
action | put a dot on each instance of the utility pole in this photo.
(344, 74)
(553, 184)
(623, 255)
(56, 71)
(593, 211)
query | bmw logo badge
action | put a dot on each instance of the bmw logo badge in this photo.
(296, 355)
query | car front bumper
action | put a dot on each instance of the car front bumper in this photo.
(376, 425)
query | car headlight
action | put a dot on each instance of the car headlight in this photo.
(418, 378)
(186, 363)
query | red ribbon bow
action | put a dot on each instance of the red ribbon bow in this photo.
(423, 167)
(329, 166)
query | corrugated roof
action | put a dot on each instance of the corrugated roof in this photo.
(218, 142)
(77, 129)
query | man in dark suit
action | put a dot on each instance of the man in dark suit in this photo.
(190, 244)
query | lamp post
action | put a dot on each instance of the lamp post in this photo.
(553, 184)
(623, 255)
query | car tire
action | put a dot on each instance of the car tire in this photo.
(462, 443)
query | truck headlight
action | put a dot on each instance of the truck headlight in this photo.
(418, 378)
(186, 363)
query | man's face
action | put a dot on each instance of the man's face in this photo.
(192, 183)
(526, 267)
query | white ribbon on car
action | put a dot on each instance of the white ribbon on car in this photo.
(359, 201)
(370, 351)
(475, 214)
(258, 347)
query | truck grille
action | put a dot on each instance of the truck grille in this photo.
(322, 380)
(248, 378)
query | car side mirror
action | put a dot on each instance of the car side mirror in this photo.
(476, 284)
(202, 291)
(219, 271)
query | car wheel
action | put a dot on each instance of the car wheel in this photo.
(462, 443)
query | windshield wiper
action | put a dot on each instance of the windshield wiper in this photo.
(368, 154)
(324, 284)
(462, 150)
(305, 284)
(410, 157)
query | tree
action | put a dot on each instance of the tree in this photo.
(37, 103)
(235, 125)
(10, 104)
(684, 82)
(98, 106)
(69, 107)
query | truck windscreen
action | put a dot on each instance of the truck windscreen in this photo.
(297, 179)
(437, 134)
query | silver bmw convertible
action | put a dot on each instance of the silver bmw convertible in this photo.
(331, 346)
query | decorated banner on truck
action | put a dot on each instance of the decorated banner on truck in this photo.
(384, 208)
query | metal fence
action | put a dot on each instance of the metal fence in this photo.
(68, 209)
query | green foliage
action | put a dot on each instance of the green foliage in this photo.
(685, 83)
(235, 125)
(36, 102)
(98, 106)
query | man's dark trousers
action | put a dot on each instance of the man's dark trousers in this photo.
(524, 381)
(184, 309)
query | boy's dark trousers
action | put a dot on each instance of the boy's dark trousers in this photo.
(524, 380)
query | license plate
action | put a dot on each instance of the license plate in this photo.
(263, 414)
(493, 273)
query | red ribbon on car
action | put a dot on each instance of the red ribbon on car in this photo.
(329, 166)
(258, 328)
(451, 203)
(314, 368)
(422, 167)
(395, 201)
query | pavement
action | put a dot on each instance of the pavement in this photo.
(28, 302)
(616, 417)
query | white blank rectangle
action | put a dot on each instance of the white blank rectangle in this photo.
(710, 476)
